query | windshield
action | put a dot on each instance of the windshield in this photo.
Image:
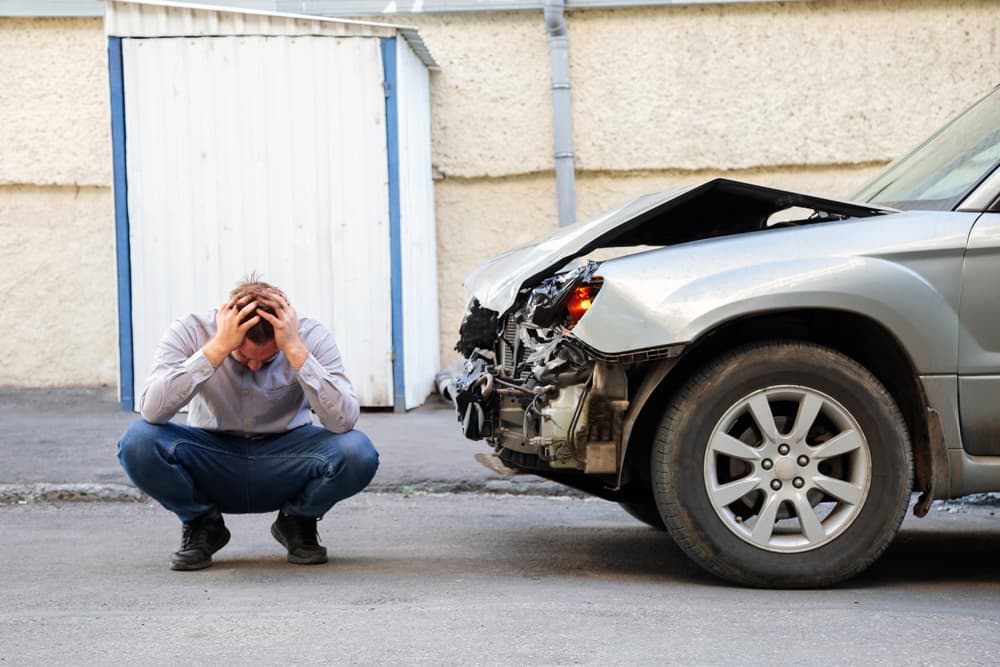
(945, 168)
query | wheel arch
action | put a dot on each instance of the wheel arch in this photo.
(856, 336)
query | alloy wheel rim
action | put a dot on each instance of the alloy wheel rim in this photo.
(787, 468)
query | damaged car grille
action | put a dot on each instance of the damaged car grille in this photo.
(508, 347)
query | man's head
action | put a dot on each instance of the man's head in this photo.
(254, 356)
(253, 288)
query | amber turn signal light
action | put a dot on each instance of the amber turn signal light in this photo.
(580, 302)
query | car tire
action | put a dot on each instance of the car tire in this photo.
(647, 512)
(782, 465)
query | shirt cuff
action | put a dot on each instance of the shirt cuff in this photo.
(312, 372)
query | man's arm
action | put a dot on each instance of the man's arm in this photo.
(322, 378)
(316, 358)
(180, 367)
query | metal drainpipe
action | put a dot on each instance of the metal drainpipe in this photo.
(562, 120)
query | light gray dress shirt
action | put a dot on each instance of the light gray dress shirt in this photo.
(232, 398)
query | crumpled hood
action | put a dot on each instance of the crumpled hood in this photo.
(715, 208)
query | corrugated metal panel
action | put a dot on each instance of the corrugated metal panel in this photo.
(243, 155)
(420, 50)
(149, 18)
(421, 336)
(142, 19)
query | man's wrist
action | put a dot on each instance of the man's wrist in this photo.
(297, 355)
(215, 353)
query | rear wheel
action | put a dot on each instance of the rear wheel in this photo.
(783, 465)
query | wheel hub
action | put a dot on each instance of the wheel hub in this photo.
(785, 468)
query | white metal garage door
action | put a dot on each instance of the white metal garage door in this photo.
(263, 153)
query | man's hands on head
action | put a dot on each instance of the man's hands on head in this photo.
(229, 334)
(286, 326)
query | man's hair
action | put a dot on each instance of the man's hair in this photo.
(252, 286)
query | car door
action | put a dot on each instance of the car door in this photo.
(979, 339)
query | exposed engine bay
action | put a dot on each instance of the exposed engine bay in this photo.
(533, 391)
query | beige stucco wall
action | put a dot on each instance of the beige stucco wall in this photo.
(708, 86)
(57, 261)
(54, 123)
(814, 96)
(57, 271)
(749, 85)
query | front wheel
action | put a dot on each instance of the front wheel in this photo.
(645, 511)
(783, 465)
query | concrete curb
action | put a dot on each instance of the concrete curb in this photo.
(42, 492)
(495, 487)
(45, 493)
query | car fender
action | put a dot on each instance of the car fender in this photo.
(634, 311)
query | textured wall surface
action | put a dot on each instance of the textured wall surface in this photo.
(57, 261)
(476, 219)
(709, 86)
(54, 125)
(57, 275)
(734, 86)
(814, 96)
(491, 112)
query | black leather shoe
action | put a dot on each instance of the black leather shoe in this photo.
(298, 535)
(200, 538)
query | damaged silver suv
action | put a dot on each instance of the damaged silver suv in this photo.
(767, 375)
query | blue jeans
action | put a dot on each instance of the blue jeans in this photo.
(193, 472)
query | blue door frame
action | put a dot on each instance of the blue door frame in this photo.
(395, 241)
(126, 373)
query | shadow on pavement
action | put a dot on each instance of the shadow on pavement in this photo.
(930, 556)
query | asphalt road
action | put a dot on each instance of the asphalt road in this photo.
(474, 579)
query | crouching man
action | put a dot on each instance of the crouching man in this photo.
(249, 372)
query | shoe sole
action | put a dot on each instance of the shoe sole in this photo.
(293, 559)
(299, 560)
(189, 567)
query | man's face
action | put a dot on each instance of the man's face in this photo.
(253, 356)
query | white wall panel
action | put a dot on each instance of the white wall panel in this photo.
(261, 153)
(421, 337)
